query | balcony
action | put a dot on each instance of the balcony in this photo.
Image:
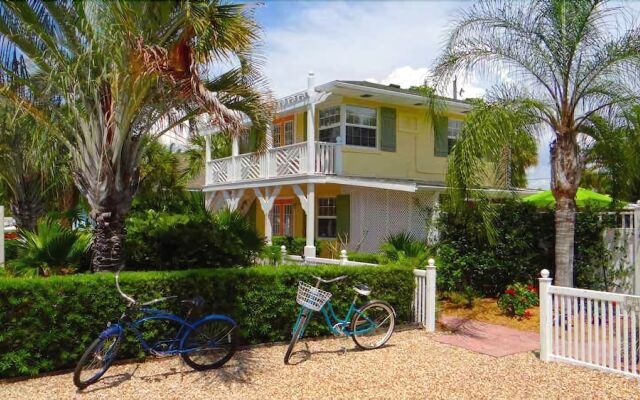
(285, 161)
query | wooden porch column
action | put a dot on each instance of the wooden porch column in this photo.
(266, 204)
(310, 248)
(311, 116)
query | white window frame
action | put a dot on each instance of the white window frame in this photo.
(342, 123)
(292, 132)
(374, 127)
(453, 131)
(325, 217)
(275, 134)
(335, 124)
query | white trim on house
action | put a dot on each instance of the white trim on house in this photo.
(401, 185)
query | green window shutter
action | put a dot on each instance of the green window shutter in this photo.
(441, 125)
(388, 129)
(343, 215)
(304, 133)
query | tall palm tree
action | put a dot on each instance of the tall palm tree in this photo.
(127, 72)
(567, 64)
(28, 155)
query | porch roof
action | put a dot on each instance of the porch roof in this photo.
(404, 185)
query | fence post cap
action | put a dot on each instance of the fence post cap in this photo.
(432, 262)
(544, 273)
(343, 253)
(283, 248)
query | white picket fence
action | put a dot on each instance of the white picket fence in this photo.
(589, 328)
(343, 260)
(424, 298)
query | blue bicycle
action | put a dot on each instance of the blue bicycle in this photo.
(204, 343)
(370, 326)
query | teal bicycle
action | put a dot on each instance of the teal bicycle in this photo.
(370, 326)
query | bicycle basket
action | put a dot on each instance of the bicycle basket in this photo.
(311, 297)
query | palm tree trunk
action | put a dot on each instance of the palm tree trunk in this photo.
(565, 178)
(27, 205)
(108, 242)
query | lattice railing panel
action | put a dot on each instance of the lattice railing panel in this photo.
(289, 160)
(250, 166)
(219, 170)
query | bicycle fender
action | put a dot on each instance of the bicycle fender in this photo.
(115, 329)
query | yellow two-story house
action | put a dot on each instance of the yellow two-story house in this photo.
(348, 160)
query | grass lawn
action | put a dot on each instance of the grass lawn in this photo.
(487, 310)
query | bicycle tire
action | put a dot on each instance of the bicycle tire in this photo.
(357, 319)
(296, 336)
(223, 333)
(91, 351)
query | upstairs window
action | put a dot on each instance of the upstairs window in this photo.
(453, 132)
(361, 126)
(329, 124)
(282, 131)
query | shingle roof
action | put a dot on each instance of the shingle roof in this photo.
(396, 89)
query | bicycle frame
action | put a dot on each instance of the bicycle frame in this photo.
(332, 320)
(173, 346)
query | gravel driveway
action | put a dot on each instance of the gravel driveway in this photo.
(412, 366)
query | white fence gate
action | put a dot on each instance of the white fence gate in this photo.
(589, 328)
(424, 298)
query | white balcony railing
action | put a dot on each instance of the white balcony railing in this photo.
(282, 161)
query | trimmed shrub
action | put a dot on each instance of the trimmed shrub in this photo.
(294, 245)
(373, 258)
(161, 241)
(47, 323)
(524, 246)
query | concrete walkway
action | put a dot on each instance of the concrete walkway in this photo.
(489, 339)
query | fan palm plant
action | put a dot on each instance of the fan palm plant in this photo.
(569, 64)
(52, 249)
(128, 72)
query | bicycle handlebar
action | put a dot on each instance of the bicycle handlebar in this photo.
(130, 299)
(330, 280)
(159, 300)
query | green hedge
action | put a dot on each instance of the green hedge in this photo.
(48, 322)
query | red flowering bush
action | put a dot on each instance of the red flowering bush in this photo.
(517, 298)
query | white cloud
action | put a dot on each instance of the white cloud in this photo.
(353, 41)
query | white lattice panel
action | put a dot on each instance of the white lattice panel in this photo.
(250, 166)
(219, 170)
(289, 160)
(377, 213)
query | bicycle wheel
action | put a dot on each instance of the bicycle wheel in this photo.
(297, 334)
(96, 360)
(210, 344)
(372, 325)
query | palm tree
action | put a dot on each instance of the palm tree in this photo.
(28, 156)
(127, 72)
(566, 64)
(611, 158)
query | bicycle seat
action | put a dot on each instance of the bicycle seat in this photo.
(195, 302)
(362, 289)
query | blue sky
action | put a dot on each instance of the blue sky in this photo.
(381, 41)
